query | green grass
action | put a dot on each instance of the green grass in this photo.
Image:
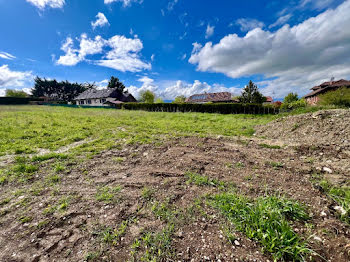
(26, 129)
(270, 146)
(155, 246)
(107, 194)
(41, 158)
(199, 180)
(113, 236)
(266, 220)
(340, 195)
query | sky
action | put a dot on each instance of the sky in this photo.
(176, 47)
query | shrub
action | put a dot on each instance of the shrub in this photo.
(290, 98)
(340, 97)
(220, 108)
(294, 105)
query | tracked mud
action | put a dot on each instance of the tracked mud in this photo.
(76, 233)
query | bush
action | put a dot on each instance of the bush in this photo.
(294, 105)
(340, 97)
(220, 108)
(14, 100)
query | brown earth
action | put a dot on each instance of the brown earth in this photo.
(73, 234)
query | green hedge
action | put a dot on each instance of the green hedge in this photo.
(220, 108)
(15, 100)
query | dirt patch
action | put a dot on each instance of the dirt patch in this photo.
(77, 232)
(326, 128)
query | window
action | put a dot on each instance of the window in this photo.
(81, 102)
(102, 100)
(89, 102)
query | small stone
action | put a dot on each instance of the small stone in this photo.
(340, 209)
(328, 170)
(323, 214)
(317, 238)
(237, 243)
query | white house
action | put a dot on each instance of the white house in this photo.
(105, 97)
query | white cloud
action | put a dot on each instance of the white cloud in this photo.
(198, 87)
(209, 31)
(281, 20)
(125, 2)
(295, 57)
(41, 4)
(247, 24)
(170, 89)
(172, 4)
(101, 21)
(123, 54)
(7, 56)
(315, 4)
(12, 79)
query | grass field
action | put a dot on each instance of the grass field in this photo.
(113, 185)
(26, 129)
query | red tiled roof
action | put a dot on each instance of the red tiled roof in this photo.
(210, 97)
(269, 99)
(328, 86)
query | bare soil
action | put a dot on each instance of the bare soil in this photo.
(73, 234)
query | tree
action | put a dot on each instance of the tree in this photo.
(15, 93)
(115, 83)
(159, 100)
(60, 91)
(251, 94)
(291, 97)
(147, 97)
(339, 97)
(180, 100)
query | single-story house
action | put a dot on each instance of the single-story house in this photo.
(222, 97)
(93, 97)
(313, 97)
(269, 100)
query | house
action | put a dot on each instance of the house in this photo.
(269, 100)
(105, 97)
(222, 97)
(313, 97)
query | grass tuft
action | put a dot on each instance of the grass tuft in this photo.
(266, 220)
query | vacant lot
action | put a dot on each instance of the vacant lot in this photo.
(108, 185)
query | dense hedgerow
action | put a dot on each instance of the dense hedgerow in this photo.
(221, 108)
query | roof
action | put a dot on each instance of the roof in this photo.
(210, 97)
(93, 93)
(269, 99)
(326, 86)
(117, 102)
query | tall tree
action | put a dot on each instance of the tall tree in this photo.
(147, 97)
(15, 93)
(60, 91)
(114, 82)
(291, 97)
(251, 94)
(180, 99)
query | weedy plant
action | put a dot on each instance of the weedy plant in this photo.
(266, 220)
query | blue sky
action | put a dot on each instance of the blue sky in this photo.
(175, 47)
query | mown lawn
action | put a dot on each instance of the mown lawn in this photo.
(26, 129)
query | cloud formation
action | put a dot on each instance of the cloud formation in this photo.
(6, 56)
(41, 4)
(168, 90)
(247, 24)
(295, 58)
(12, 79)
(125, 2)
(209, 31)
(123, 53)
(100, 22)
